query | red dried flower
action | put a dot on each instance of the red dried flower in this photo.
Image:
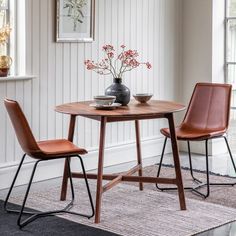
(108, 47)
(149, 66)
(125, 61)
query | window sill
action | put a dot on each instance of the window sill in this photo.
(16, 78)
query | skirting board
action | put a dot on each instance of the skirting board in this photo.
(114, 156)
(215, 147)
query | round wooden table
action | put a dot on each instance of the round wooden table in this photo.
(134, 111)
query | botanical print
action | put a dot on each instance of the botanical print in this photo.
(75, 11)
(75, 20)
(232, 8)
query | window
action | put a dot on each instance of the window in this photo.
(4, 20)
(12, 12)
(230, 47)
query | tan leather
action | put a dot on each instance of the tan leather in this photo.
(42, 149)
(59, 147)
(207, 115)
(21, 126)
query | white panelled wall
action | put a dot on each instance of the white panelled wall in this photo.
(153, 27)
(203, 55)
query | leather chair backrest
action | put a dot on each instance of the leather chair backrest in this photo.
(209, 107)
(21, 127)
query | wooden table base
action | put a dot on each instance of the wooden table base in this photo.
(66, 174)
(136, 112)
(100, 169)
(126, 177)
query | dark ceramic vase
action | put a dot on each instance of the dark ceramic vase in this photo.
(119, 90)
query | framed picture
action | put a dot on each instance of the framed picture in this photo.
(75, 20)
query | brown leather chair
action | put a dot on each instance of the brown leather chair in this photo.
(207, 117)
(41, 151)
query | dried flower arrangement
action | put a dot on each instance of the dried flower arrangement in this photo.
(4, 35)
(5, 60)
(125, 61)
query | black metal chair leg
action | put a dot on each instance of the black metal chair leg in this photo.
(13, 183)
(69, 206)
(159, 170)
(216, 184)
(160, 163)
(190, 164)
(207, 171)
(11, 188)
(231, 156)
(87, 185)
(35, 215)
(25, 222)
(207, 177)
(71, 185)
(207, 184)
(40, 214)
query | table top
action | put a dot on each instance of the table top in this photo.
(133, 109)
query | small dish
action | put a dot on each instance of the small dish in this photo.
(142, 97)
(105, 107)
(104, 100)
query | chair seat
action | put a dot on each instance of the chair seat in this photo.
(59, 147)
(183, 133)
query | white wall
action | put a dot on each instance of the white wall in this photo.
(203, 43)
(197, 44)
(218, 50)
(153, 27)
(203, 53)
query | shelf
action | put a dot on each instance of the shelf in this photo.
(3, 8)
(17, 78)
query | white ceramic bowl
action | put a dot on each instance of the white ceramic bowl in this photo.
(142, 97)
(103, 100)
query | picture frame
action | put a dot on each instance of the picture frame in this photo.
(75, 20)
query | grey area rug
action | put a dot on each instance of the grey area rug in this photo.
(128, 211)
(222, 195)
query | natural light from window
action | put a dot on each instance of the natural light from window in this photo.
(4, 22)
(230, 66)
(231, 45)
(12, 14)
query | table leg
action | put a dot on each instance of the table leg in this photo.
(176, 162)
(139, 156)
(100, 169)
(66, 174)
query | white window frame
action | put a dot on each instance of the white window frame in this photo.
(17, 42)
(227, 19)
(18, 37)
(227, 62)
(16, 48)
(7, 10)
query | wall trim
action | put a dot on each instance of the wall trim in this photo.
(14, 78)
(215, 147)
(114, 156)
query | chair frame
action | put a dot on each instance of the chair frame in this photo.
(208, 184)
(34, 215)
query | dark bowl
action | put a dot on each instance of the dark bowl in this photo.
(142, 97)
